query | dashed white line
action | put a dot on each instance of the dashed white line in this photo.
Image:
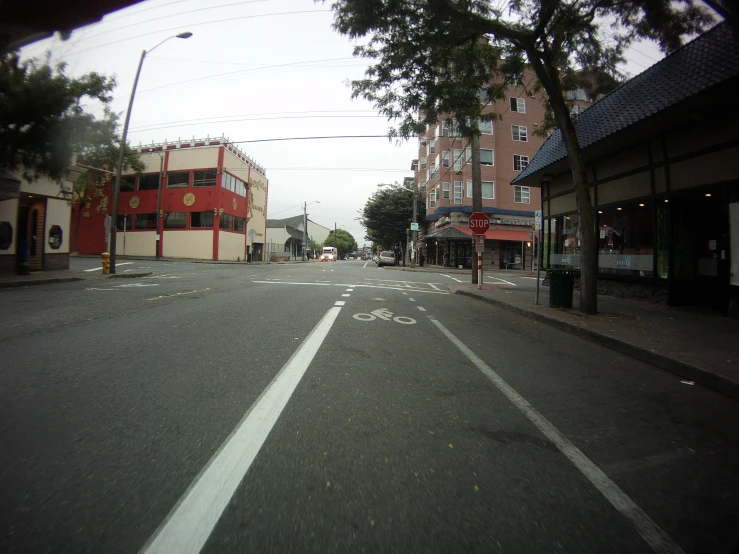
(503, 281)
(339, 303)
(405, 294)
(412, 299)
(101, 267)
(190, 523)
(450, 277)
(421, 308)
(346, 295)
(349, 290)
(648, 529)
(433, 286)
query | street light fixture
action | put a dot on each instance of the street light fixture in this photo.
(305, 224)
(121, 155)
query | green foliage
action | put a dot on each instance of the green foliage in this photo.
(433, 56)
(342, 240)
(388, 214)
(42, 120)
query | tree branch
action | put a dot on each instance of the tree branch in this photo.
(478, 22)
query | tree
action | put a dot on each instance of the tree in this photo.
(98, 155)
(387, 215)
(342, 240)
(430, 55)
(42, 120)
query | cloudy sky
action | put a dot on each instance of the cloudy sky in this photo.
(254, 70)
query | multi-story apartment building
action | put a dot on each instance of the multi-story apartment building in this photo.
(444, 172)
(212, 201)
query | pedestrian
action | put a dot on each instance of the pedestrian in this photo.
(420, 258)
(446, 259)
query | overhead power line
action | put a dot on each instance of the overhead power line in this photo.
(309, 138)
(167, 16)
(190, 25)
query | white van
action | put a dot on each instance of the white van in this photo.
(329, 254)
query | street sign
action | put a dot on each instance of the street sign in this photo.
(479, 223)
(414, 226)
(537, 220)
(479, 244)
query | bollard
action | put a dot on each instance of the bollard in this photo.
(106, 262)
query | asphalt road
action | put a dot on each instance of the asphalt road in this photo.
(340, 408)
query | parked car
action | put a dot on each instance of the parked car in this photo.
(387, 257)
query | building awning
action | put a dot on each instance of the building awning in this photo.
(502, 234)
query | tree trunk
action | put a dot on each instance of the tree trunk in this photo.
(586, 212)
(476, 186)
(549, 78)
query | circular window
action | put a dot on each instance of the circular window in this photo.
(55, 237)
(6, 235)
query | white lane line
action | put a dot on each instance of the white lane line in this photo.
(421, 308)
(101, 267)
(405, 294)
(648, 529)
(346, 295)
(503, 281)
(192, 520)
(349, 290)
(412, 299)
(291, 283)
(542, 278)
(387, 287)
(365, 264)
(339, 303)
(433, 286)
(450, 277)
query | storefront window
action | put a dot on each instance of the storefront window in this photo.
(566, 234)
(126, 220)
(626, 239)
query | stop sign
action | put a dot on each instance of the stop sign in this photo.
(479, 223)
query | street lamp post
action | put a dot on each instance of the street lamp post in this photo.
(121, 155)
(305, 224)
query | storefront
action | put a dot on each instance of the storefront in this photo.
(665, 185)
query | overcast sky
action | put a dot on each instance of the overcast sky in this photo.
(256, 69)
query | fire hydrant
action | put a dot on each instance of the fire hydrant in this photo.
(106, 262)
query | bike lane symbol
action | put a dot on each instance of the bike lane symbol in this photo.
(386, 315)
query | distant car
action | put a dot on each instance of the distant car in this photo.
(386, 258)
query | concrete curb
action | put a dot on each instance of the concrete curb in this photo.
(701, 376)
(129, 275)
(32, 282)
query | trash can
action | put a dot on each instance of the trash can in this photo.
(561, 286)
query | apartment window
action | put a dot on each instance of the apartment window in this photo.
(468, 153)
(577, 110)
(204, 178)
(422, 186)
(446, 128)
(145, 222)
(432, 171)
(150, 181)
(201, 220)
(458, 161)
(228, 182)
(522, 195)
(175, 220)
(457, 192)
(432, 198)
(486, 127)
(520, 133)
(486, 157)
(488, 189)
(483, 96)
(445, 158)
(226, 222)
(428, 175)
(179, 179)
(520, 162)
(126, 220)
(423, 163)
(577, 94)
(445, 191)
(423, 143)
(457, 132)
(128, 183)
(240, 188)
(518, 105)
(239, 224)
(432, 146)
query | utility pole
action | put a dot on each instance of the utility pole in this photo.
(414, 234)
(305, 225)
(476, 183)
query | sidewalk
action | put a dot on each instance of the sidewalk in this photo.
(697, 344)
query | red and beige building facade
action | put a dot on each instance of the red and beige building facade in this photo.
(212, 205)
